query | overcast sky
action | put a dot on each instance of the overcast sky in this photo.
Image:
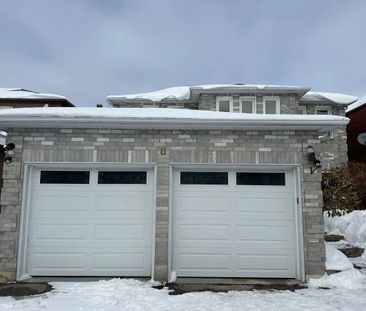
(88, 49)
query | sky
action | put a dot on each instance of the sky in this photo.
(88, 49)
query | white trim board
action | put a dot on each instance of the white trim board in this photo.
(295, 168)
(21, 273)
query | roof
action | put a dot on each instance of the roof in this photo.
(333, 98)
(191, 93)
(356, 105)
(161, 118)
(23, 94)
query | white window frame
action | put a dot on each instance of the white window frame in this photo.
(322, 108)
(254, 103)
(222, 98)
(328, 135)
(278, 104)
(303, 108)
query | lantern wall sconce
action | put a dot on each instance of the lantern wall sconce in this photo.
(8, 150)
(163, 150)
(313, 160)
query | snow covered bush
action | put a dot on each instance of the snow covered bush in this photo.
(358, 174)
(339, 193)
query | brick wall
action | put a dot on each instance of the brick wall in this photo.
(104, 145)
(332, 150)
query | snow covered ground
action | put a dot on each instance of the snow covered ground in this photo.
(347, 288)
(131, 295)
(353, 227)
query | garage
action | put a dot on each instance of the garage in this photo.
(89, 222)
(235, 223)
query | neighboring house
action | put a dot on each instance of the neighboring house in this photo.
(168, 193)
(356, 131)
(22, 98)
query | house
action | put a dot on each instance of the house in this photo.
(356, 130)
(20, 98)
(209, 181)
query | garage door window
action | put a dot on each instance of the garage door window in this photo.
(260, 179)
(204, 178)
(122, 177)
(65, 177)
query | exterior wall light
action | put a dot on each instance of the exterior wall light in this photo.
(8, 150)
(312, 159)
(163, 150)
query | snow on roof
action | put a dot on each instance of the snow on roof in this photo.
(184, 92)
(333, 97)
(357, 104)
(178, 93)
(11, 93)
(157, 118)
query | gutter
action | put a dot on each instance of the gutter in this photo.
(168, 123)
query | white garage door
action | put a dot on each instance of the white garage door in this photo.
(90, 223)
(234, 224)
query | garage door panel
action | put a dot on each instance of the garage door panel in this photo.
(215, 261)
(132, 260)
(135, 232)
(211, 204)
(188, 233)
(116, 202)
(73, 202)
(48, 231)
(61, 261)
(265, 207)
(263, 262)
(262, 232)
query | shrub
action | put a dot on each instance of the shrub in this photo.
(358, 174)
(339, 193)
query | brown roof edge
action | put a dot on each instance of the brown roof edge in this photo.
(63, 102)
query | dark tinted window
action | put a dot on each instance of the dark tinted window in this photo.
(124, 177)
(65, 177)
(258, 179)
(204, 178)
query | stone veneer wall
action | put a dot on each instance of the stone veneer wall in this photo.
(189, 146)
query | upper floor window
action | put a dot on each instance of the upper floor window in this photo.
(247, 104)
(322, 111)
(301, 110)
(271, 105)
(224, 103)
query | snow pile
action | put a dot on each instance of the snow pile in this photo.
(336, 260)
(26, 94)
(123, 294)
(334, 97)
(352, 226)
(359, 103)
(349, 279)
